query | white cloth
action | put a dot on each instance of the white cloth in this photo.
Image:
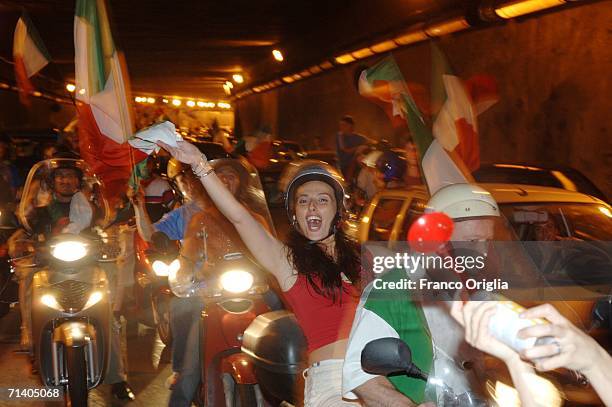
(80, 214)
(145, 139)
(323, 386)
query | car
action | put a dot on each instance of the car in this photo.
(328, 156)
(533, 212)
(527, 174)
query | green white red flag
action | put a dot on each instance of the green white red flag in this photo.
(103, 98)
(438, 168)
(29, 55)
(456, 105)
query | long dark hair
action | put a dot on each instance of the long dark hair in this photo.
(322, 272)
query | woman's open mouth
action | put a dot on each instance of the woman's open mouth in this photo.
(314, 223)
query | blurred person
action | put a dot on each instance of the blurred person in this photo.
(427, 327)
(318, 268)
(369, 182)
(391, 167)
(173, 225)
(347, 142)
(261, 153)
(413, 172)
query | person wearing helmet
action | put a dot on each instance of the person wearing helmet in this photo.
(317, 268)
(426, 326)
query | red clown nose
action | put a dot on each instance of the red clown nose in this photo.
(429, 232)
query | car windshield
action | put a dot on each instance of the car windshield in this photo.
(517, 175)
(559, 221)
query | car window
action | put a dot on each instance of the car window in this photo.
(517, 176)
(383, 218)
(555, 222)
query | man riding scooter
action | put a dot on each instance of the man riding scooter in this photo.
(58, 205)
(435, 339)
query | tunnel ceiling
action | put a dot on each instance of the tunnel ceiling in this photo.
(191, 47)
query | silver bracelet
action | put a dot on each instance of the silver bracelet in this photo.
(200, 170)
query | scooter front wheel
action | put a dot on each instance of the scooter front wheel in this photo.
(76, 396)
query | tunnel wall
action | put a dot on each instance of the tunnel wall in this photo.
(554, 79)
(43, 113)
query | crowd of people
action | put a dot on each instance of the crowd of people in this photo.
(317, 268)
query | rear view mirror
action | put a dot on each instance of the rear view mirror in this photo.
(386, 356)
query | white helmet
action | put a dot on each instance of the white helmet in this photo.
(463, 201)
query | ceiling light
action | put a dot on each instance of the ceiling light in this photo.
(447, 27)
(190, 103)
(150, 100)
(305, 73)
(326, 65)
(297, 77)
(37, 93)
(137, 99)
(384, 46)
(227, 89)
(176, 102)
(165, 100)
(200, 103)
(256, 89)
(519, 8)
(411, 37)
(288, 79)
(238, 78)
(81, 91)
(70, 87)
(362, 53)
(344, 59)
(315, 69)
(278, 55)
(229, 84)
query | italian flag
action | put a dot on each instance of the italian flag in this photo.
(439, 167)
(29, 55)
(103, 99)
(455, 125)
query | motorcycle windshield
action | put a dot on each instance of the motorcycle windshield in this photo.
(62, 195)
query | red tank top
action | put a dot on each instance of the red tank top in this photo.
(322, 320)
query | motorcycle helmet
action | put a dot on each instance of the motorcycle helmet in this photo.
(463, 201)
(299, 173)
(65, 161)
(392, 165)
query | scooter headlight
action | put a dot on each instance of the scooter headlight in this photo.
(50, 301)
(236, 281)
(69, 250)
(162, 269)
(93, 299)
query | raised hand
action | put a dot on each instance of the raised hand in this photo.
(573, 349)
(184, 152)
(474, 316)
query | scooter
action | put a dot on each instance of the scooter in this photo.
(71, 316)
(234, 293)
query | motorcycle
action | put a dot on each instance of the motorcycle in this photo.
(234, 290)
(153, 265)
(71, 307)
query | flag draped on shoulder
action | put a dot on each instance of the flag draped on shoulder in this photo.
(102, 98)
(29, 55)
(385, 81)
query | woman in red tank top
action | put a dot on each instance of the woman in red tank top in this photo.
(318, 268)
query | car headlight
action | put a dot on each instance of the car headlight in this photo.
(236, 281)
(93, 299)
(162, 269)
(50, 301)
(69, 250)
